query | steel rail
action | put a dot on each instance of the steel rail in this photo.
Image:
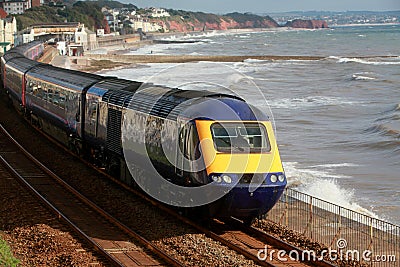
(145, 243)
(271, 239)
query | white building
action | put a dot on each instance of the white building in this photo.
(86, 38)
(159, 13)
(15, 6)
(100, 32)
(28, 37)
(8, 31)
(145, 26)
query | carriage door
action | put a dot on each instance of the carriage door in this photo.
(181, 150)
(92, 106)
(187, 147)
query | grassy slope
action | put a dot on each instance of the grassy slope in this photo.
(6, 257)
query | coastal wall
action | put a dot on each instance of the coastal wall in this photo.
(190, 58)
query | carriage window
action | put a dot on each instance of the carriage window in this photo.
(240, 137)
(56, 97)
(40, 92)
(50, 95)
(93, 112)
(29, 88)
(61, 101)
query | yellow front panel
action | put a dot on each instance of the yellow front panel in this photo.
(218, 162)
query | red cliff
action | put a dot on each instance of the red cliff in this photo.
(307, 24)
(214, 22)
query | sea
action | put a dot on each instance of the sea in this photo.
(337, 119)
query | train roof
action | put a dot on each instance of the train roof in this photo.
(173, 103)
(68, 78)
(23, 64)
(111, 83)
(11, 55)
(24, 48)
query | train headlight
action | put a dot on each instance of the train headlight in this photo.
(273, 178)
(227, 179)
(217, 178)
(281, 178)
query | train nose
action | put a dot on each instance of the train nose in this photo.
(252, 196)
(242, 202)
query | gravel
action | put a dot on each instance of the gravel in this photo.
(182, 241)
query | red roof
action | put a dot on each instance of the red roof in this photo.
(3, 14)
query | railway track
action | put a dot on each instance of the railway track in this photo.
(237, 237)
(106, 234)
(245, 240)
(266, 248)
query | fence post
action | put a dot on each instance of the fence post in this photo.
(371, 244)
(310, 217)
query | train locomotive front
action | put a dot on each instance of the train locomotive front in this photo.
(197, 138)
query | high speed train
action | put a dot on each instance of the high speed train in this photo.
(233, 141)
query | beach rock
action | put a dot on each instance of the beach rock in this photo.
(307, 24)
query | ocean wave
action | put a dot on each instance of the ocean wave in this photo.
(367, 61)
(335, 165)
(161, 49)
(387, 129)
(256, 61)
(388, 125)
(361, 77)
(320, 181)
(312, 101)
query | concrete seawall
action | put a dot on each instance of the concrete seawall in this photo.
(192, 58)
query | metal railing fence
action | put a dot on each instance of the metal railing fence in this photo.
(354, 235)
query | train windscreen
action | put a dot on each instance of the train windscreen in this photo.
(240, 137)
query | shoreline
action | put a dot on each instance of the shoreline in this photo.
(101, 62)
(116, 56)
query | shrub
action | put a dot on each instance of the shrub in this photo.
(6, 257)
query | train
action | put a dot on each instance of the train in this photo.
(231, 142)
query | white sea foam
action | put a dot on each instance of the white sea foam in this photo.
(334, 165)
(367, 61)
(256, 61)
(362, 77)
(320, 181)
(160, 49)
(312, 101)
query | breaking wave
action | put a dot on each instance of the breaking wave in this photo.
(312, 101)
(320, 181)
(362, 77)
(369, 61)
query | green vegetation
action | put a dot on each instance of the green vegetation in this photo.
(37, 15)
(88, 13)
(193, 16)
(241, 18)
(6, 257)
(114, 4)
(187, 16)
